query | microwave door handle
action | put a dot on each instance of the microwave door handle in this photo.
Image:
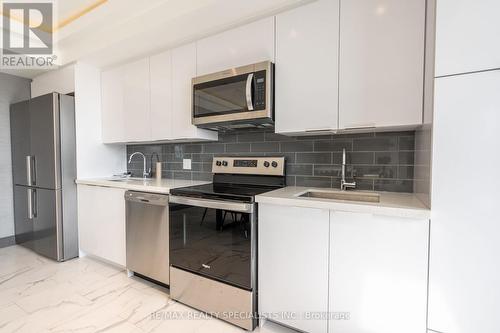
(249, 92)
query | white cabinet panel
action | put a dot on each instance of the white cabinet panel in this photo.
(161, 96)
(381, 63)
(101, 222)
(183, 70)
(136, 105)
(293, 264)
(113, 127)
(241, 46)
(464, 293)
(307, 41)
(467, 36)
(378, 273)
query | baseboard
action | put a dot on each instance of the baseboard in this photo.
(7, 241)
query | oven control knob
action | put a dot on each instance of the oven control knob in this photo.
(218, 163)
(266, 164)
(224, 163)
(275, 164)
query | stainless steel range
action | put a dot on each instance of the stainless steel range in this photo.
(213, 238)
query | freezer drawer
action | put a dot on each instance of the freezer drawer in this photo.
(38, 220)
(147, 235)
(22, 212)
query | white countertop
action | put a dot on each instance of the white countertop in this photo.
(391, 204)
(138, 184)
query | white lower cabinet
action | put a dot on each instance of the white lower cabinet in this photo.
(293, 265)
(101, 222)
(342, 272)
(378, 273)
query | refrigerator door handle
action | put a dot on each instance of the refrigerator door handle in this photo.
(34, 204)
(33, 170)
(30, 204)
(28, 170)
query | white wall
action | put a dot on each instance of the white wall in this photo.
(12, 89)
(94, 159)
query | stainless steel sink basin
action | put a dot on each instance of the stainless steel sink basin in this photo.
(348, 196)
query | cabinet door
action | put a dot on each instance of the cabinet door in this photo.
(381, 63)
(293, 265)
(101, 222)
(466, 36)
(307, 68)
(113, 129)
(183, 70)
(136, 101)
(378, 273)
(161, 96)
(241, 46)
(464, 294)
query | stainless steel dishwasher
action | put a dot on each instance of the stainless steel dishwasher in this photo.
(147, 235)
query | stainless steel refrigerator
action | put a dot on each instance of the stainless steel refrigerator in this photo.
(44, 173)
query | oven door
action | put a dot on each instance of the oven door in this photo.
(215, 239)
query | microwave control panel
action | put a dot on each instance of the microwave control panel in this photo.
(259, 102)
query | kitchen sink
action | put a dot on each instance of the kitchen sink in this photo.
(347, 196)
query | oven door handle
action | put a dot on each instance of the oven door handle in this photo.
(215, 204)
(249, 92)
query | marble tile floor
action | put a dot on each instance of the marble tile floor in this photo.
(38, 295)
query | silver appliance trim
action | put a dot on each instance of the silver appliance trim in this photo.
(248, 69)
(214, 204)
(248, 91)
(234, 305)
(261, 116)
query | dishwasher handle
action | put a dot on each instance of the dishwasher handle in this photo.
(147, 198)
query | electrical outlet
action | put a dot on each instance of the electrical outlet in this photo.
(186, 164)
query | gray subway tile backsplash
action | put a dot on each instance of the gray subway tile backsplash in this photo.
(376, 161)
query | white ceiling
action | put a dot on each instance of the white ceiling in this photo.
(116, 31)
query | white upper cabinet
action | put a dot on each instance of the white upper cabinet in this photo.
(161, 96)
(307, 41)
(183, 70)
(125, 103)
(112, 106)
(136, 103)
(467, 36)
(150, 99)
(241, 46)
(381, 63)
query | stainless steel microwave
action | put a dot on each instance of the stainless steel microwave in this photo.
(240, 97)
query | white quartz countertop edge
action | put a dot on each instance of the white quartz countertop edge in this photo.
(404, 205)
(152, 185)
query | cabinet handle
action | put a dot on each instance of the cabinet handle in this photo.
(359, 127)
(320, 131)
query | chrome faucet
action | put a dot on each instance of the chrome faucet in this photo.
(343, 184)
(144, 172)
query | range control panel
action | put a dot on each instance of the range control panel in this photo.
(270, 166)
